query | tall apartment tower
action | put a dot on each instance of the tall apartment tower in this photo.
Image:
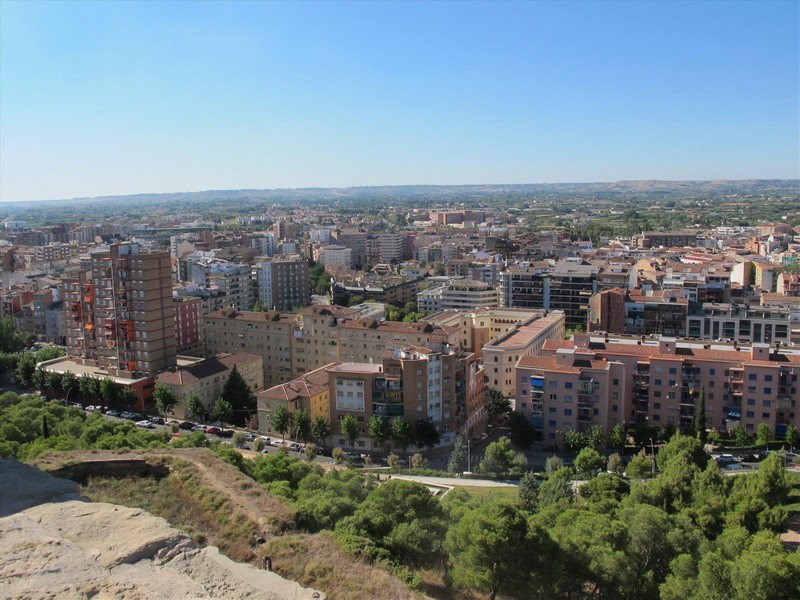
(120, 314)
(284, 283)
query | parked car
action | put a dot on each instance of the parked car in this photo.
(198, 428)
(226, 433)
(249, 437)
(112, 413)
(157, 420)
(751, 458)
(276, 443)
(144, 424)
(186, 425)
(172, 422)
(213, 430)
(294, 447)
(128, 415)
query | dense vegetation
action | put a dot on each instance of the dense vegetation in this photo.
(690, 532)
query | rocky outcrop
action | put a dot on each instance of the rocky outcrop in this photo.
(55, 545)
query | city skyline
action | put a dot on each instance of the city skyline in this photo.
(126, 98)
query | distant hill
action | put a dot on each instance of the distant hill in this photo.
(643, 188)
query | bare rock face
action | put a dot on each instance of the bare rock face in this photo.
(76, 549)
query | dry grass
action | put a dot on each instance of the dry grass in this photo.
(218, 505)
(319, 561)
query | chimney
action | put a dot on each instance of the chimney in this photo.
(759, 352)
(666, 345)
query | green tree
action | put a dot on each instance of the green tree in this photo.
(557, 488)
(418, 461)
(574, 440)
(589, 462)
(792, 436)
(490, 549)
(89, 387)
(239, 395)
(109, 391)
(69, 383)
(496, 404)
(52, 381)
(615, 464)
(740, 436)
(165, 399)
(26, 367)
(11, 340)
(529, 491)
(763, 434)
(38, 379)
(501, 461)
(596, 436)
(321, 429)
(222, 411)
(281, 420)
(640, 466)
(700, 417)
(195, 409)
(350, 430)
(522, 431)
(402, 433)
(45, 426)
(457, 462)
(426, 434)
(378, 430)
(302, 424)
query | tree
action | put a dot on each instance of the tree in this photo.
(792, 436)
(574, 440)
(238, 394)
(302, 424)
(490, 548)
(529, 491)
(52, 381)
(557, 488)
(495, 404)
(26, 366)
(641, 466)
(280, 420)
(458, 456)
(418, 461)
(350, 430)
(69, 383)
(11, 340)
(740, 436)
(45, 427)
(616, 464)
(401, 433)
(426, 434)
(378, 431)
(38, 379)
(195, 409)
(763, 434)
(321, 429)
(522, 431)
(596, 436)
(89, 387)
(222, 411)
(109, 391)
(589, 462)
(700, 417)
(501, 461)
(165, 399)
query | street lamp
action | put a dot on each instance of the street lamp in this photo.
(469, 458)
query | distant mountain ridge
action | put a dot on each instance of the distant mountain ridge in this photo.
(648, 187)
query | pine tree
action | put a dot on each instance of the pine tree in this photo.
(700, 417)
(238, 393)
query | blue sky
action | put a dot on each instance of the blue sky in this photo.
(115, 98)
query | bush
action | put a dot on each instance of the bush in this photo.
(338, 455)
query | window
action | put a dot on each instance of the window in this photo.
(751, 377)
(712, 371)
(552, 384)
(750, 414)
(551, 423)
(615, 395)
(751, 402)
(614, 408)
(657, 405)
(568, 399)
(616, 382)
(767, 390)
(552, 409)
(767, 403)
(673, 371)
(657, 382)
(567, 412)
(568, 385)
(765, 415)
(767, 377)
(656, 417)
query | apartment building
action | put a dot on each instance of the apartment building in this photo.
(564, 286)
(188, 325)
(740, 322)
(119, 314)
(333, 255)
(283, 283)
(458, 294)
(206, 379)
(666, 239)
(502, 353)
(575, 384)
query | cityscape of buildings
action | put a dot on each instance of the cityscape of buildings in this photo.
(575, 332)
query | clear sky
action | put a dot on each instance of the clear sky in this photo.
(109, 98)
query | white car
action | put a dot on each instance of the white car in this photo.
(144, 424)
(276, 443)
